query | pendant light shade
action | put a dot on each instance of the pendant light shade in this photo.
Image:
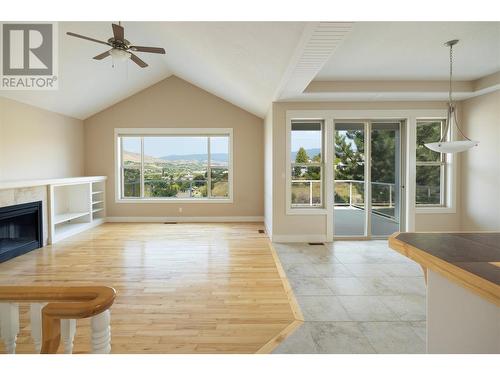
(451, 147)
(448, 147)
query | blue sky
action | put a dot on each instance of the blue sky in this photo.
(306, 139)
(312, 139)
(164, 146)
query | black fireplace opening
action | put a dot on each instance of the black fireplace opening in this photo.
(20, 229)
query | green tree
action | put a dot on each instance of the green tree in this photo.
(199, 177)
(132, 182)
(349, 163)
(425, 134)
(349, 159)
(383, 163)
(383, 156)
(300, 158)
(162, 188)
(428, 177)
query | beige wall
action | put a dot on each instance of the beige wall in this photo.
(313, 227)
(438, 222)
(35, 143)
(176, 103)
(480, 178)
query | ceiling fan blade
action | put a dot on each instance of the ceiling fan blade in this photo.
(148, 49)
(118, 32)
(87, 38)
(102, 55)
(138, 61)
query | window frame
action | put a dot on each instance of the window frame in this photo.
(165, 132)
(446, 169)
(306, 209)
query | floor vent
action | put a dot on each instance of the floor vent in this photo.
(316, 243)
(262, 231)
(170, 222)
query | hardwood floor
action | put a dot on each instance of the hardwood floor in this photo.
(181, 288)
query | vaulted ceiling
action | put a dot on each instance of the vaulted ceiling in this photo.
(241, 62)
(251, 64)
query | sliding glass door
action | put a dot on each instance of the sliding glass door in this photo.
(349, 210)
(385, 174)
(367, 185)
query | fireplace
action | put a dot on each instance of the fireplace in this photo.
(20, 229)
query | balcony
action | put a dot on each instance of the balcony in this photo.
(349, 205)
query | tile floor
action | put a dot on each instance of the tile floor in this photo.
(356, 297)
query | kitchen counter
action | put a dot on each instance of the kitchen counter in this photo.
(463, 288)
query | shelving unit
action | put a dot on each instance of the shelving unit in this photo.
(67, 216)
(98, 203)
(76, 206)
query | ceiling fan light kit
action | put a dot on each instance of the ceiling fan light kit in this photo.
(119, 55)
(444, 146)
(121, 49)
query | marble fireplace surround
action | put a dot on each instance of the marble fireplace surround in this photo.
(10, 197)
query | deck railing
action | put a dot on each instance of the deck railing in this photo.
(348, 193)
(53, 313)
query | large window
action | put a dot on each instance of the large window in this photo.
(174, 166)
(430, 165)
(306, 164)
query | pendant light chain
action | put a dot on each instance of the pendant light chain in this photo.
(452, 115)
(451, 108)
(451, 75)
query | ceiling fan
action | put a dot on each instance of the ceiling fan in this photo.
(121, 48)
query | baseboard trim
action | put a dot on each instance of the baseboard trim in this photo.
(269, 231)
(299, 238)
(185, 219)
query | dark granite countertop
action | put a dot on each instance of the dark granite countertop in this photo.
(477, 253)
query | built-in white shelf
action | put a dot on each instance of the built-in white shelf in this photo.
(67, 229)
(16, 184)
(67, 216)
(73, 208)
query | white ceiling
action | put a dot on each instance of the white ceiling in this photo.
(246, 63)
(414, 50)
(241, 62)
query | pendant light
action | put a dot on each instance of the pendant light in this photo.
(444, 146)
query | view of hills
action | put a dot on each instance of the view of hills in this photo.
(311, 152)
(197, 157)
(136, 158)
(217, 157)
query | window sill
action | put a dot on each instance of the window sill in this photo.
(173, 201)
(307, 211)
(435, 210)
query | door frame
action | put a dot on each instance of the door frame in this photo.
(409, 115)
